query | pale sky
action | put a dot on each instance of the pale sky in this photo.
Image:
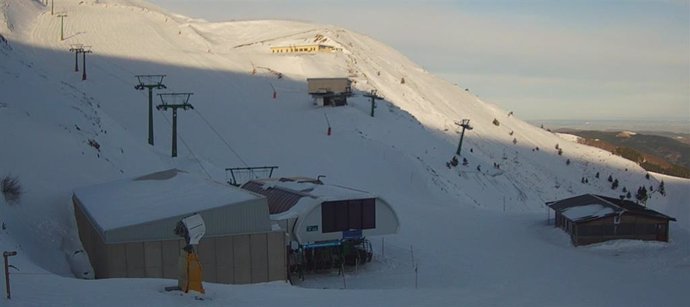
(542, 59)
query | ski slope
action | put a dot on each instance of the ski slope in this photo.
(476, 234)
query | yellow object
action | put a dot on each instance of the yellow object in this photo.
(189, 269)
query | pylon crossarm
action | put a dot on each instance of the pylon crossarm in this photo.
(150, 81)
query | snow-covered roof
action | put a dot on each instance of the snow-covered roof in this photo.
(154, 197)
(587, 212)
(588, 206)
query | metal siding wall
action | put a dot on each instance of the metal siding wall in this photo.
(225, 272)
(276, 256)
(207, 257)
(242, 259)
(135, 260)
(170, 250)
(247, 217)
(117, 260)
(153, 259)
(89, 240)
(259, 261)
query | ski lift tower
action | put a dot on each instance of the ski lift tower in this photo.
(177, 101)
(465, 124)
(373, 97)
(84, 51)
(150, 82)
(77, 49)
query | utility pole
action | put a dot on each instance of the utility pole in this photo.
(373, 97)
(465, 124)
(76, 48)
(182, 100)
(62, 26)
(84, 52)
(52, 7)
(150, 82)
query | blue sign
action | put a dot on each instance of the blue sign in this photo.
(352, 234)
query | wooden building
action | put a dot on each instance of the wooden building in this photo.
(127, 229)
(594, 218)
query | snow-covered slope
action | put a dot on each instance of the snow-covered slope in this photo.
(59, 132)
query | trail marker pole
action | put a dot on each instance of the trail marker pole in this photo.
(7, 271)
(465, 124)
(373, 97)
(328, 132)
(62, 26)
(184, 105)
(150, 82)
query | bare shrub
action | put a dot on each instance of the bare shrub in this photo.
(11, 189)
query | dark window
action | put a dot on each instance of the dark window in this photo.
(355, 213)
(368, 213)
(328, 217)
(346, 215)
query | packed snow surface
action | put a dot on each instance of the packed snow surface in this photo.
(476, 234)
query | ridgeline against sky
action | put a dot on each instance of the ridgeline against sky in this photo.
(541, 59)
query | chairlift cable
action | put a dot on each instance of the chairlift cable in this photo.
(221, 138)
(179, 135)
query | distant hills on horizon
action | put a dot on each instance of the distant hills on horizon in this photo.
(661, 152)
(657, 127)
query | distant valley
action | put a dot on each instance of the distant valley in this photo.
(662, 152)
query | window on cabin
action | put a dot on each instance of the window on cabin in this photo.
(348, 214)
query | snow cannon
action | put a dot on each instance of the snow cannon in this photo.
(192, 229)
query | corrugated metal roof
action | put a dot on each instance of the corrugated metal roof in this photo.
(279, 200)
(284, 193)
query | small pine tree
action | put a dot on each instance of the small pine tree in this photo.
(625, 189)
(628, 195)
(614, 185)
(662, 188)
(610, 179)
(597, 175)
(560, 151)
(514, 140)
(496, 122)
(567, 162)
(646, 176)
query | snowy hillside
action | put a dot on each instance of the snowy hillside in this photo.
(476, 232)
